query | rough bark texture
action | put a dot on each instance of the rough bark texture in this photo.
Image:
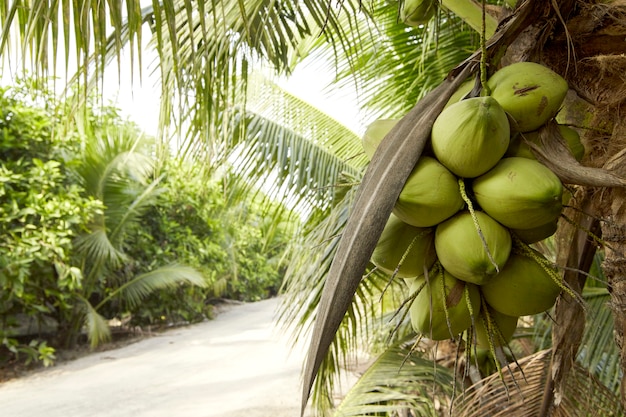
(591, 56)
(584, 42)
(614, 231)
(575, 251)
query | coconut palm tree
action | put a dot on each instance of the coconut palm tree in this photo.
(207, 52)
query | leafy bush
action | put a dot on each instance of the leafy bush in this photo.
(42, 210)
(89, 228)
(194, 223)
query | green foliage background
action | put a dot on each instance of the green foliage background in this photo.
(47, 214)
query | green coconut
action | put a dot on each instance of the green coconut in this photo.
(531, 93)
(398, 239)
(461, 92)
(470, 137)
(522, 288)
(429, 196)
(538, 233)
(501, 333)
(520, 193)
(417, 12)
(375, 133)
(461, 251)
(519, 148)
(572, 138)
(519, 143)
(441, 311)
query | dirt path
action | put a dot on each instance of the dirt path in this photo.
(234, 366)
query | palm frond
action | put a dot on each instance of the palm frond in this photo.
(367, 317)
(131, 214)
(399, 380)
(114, 155)
(381, 184)
(397, 65)
(116, 169)
(98, 330)
(311, 257)
(205, 49)
(519, 390)
(267, 99)
(49, 31)
(170, 276)
(205, 56)
(291, 166)
(97, 249)
(598, 352)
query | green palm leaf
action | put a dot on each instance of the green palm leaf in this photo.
(598, 353)
(399, 380)
(291, 166)
(205, 49)
(393, 66)
(170, 276)
(65, 25)
(115, 155)
(131, 214)
(117, 170)
(367, 319)
(267, 99)
(97, 250)
(132, 292)
(98, 330)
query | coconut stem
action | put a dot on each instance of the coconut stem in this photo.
(548, 267)
(468, 300)
(471, 332)
(470, 207)
(483, 55)
(401, 261)
(404, 308)
(445, 304)
(487, 323)
(589, 233)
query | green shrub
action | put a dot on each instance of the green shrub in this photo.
(89, 228)
(193, 223)
(42, 209)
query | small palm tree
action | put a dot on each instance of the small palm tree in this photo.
(118, 169)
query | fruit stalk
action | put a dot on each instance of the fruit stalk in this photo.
(471, 13)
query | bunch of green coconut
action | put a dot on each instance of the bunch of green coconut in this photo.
(461, 229)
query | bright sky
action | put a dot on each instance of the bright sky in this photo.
(140, 100)
(137, 98)
(310, 82)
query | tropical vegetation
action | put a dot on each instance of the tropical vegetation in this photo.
(210, 59)
(94, 230)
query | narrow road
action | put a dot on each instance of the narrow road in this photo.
(238, 365)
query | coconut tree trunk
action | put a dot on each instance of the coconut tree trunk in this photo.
(590, 54)
(613, 209)
(597, 35)
(584, 42)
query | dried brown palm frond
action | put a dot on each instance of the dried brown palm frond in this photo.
(518, 392)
